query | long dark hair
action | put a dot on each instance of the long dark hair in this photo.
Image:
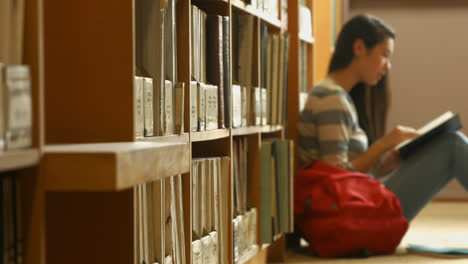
(372, 103)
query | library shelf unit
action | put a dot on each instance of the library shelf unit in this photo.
(81, 172)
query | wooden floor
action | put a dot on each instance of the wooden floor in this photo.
(440, 223)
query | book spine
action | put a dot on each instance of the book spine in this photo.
(139, 109)
(193, 106)
(19, 107)
(227, 72)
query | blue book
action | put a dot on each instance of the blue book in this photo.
(439, 251)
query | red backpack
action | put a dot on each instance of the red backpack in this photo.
(342, 213)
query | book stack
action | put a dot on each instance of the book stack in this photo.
(160, 221)
(210, 203)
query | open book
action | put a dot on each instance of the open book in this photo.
(447, 122)
(438, 251)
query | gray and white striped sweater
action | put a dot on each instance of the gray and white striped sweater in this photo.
(328, 127)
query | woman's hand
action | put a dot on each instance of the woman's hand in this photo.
(371, 157)
(398, 135)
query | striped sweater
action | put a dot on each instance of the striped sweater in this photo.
(328, 127)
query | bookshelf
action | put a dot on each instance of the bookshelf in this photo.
(80, 177)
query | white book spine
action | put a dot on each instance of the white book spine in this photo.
(179, 93)
(258, 106)
(197, 252)
(214, 247)
(211, 100)
(236, 106)
(139, 110)
(264, 105)
(235, 234)
(206, 249)
(201, 106)
(193, 106)
(19, 107)
(148, 106)
(168, 108)
(243, 106)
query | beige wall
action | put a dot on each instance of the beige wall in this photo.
(430, 64)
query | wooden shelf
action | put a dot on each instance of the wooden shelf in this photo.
(17, 159)
(240, 6)
(271, 129)
(112, 166)
(209, 135)
(183, 138)
(308, 40)
(275, 22)
(240, 131)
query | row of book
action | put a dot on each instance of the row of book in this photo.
(210, 60)
(11, 229)
(245, 220)
(171, 120)
(274, 73)
(276, 188)
(16, 107)
(276, 185)
(210, 205)
(160, 222)
(156, 62)
(204, 107)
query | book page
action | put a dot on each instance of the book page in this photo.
(429, 126)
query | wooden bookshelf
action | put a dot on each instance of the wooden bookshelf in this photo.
(89, 158)
(209, 135)
(275, 22)
(112, 166)
(306, 40)
(242, 131)
(183, 138)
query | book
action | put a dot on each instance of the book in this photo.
(236, 106)
(438, 251)
(18, 107)
(211, 104)
(139, 111)
(447, 122)
(201, 105)
(193, 106)
(227, 71)
(197, 252)
(168, 108)
(224, 185)
(148, 106)
(179, 90)
(158, 223)
(215, 70)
